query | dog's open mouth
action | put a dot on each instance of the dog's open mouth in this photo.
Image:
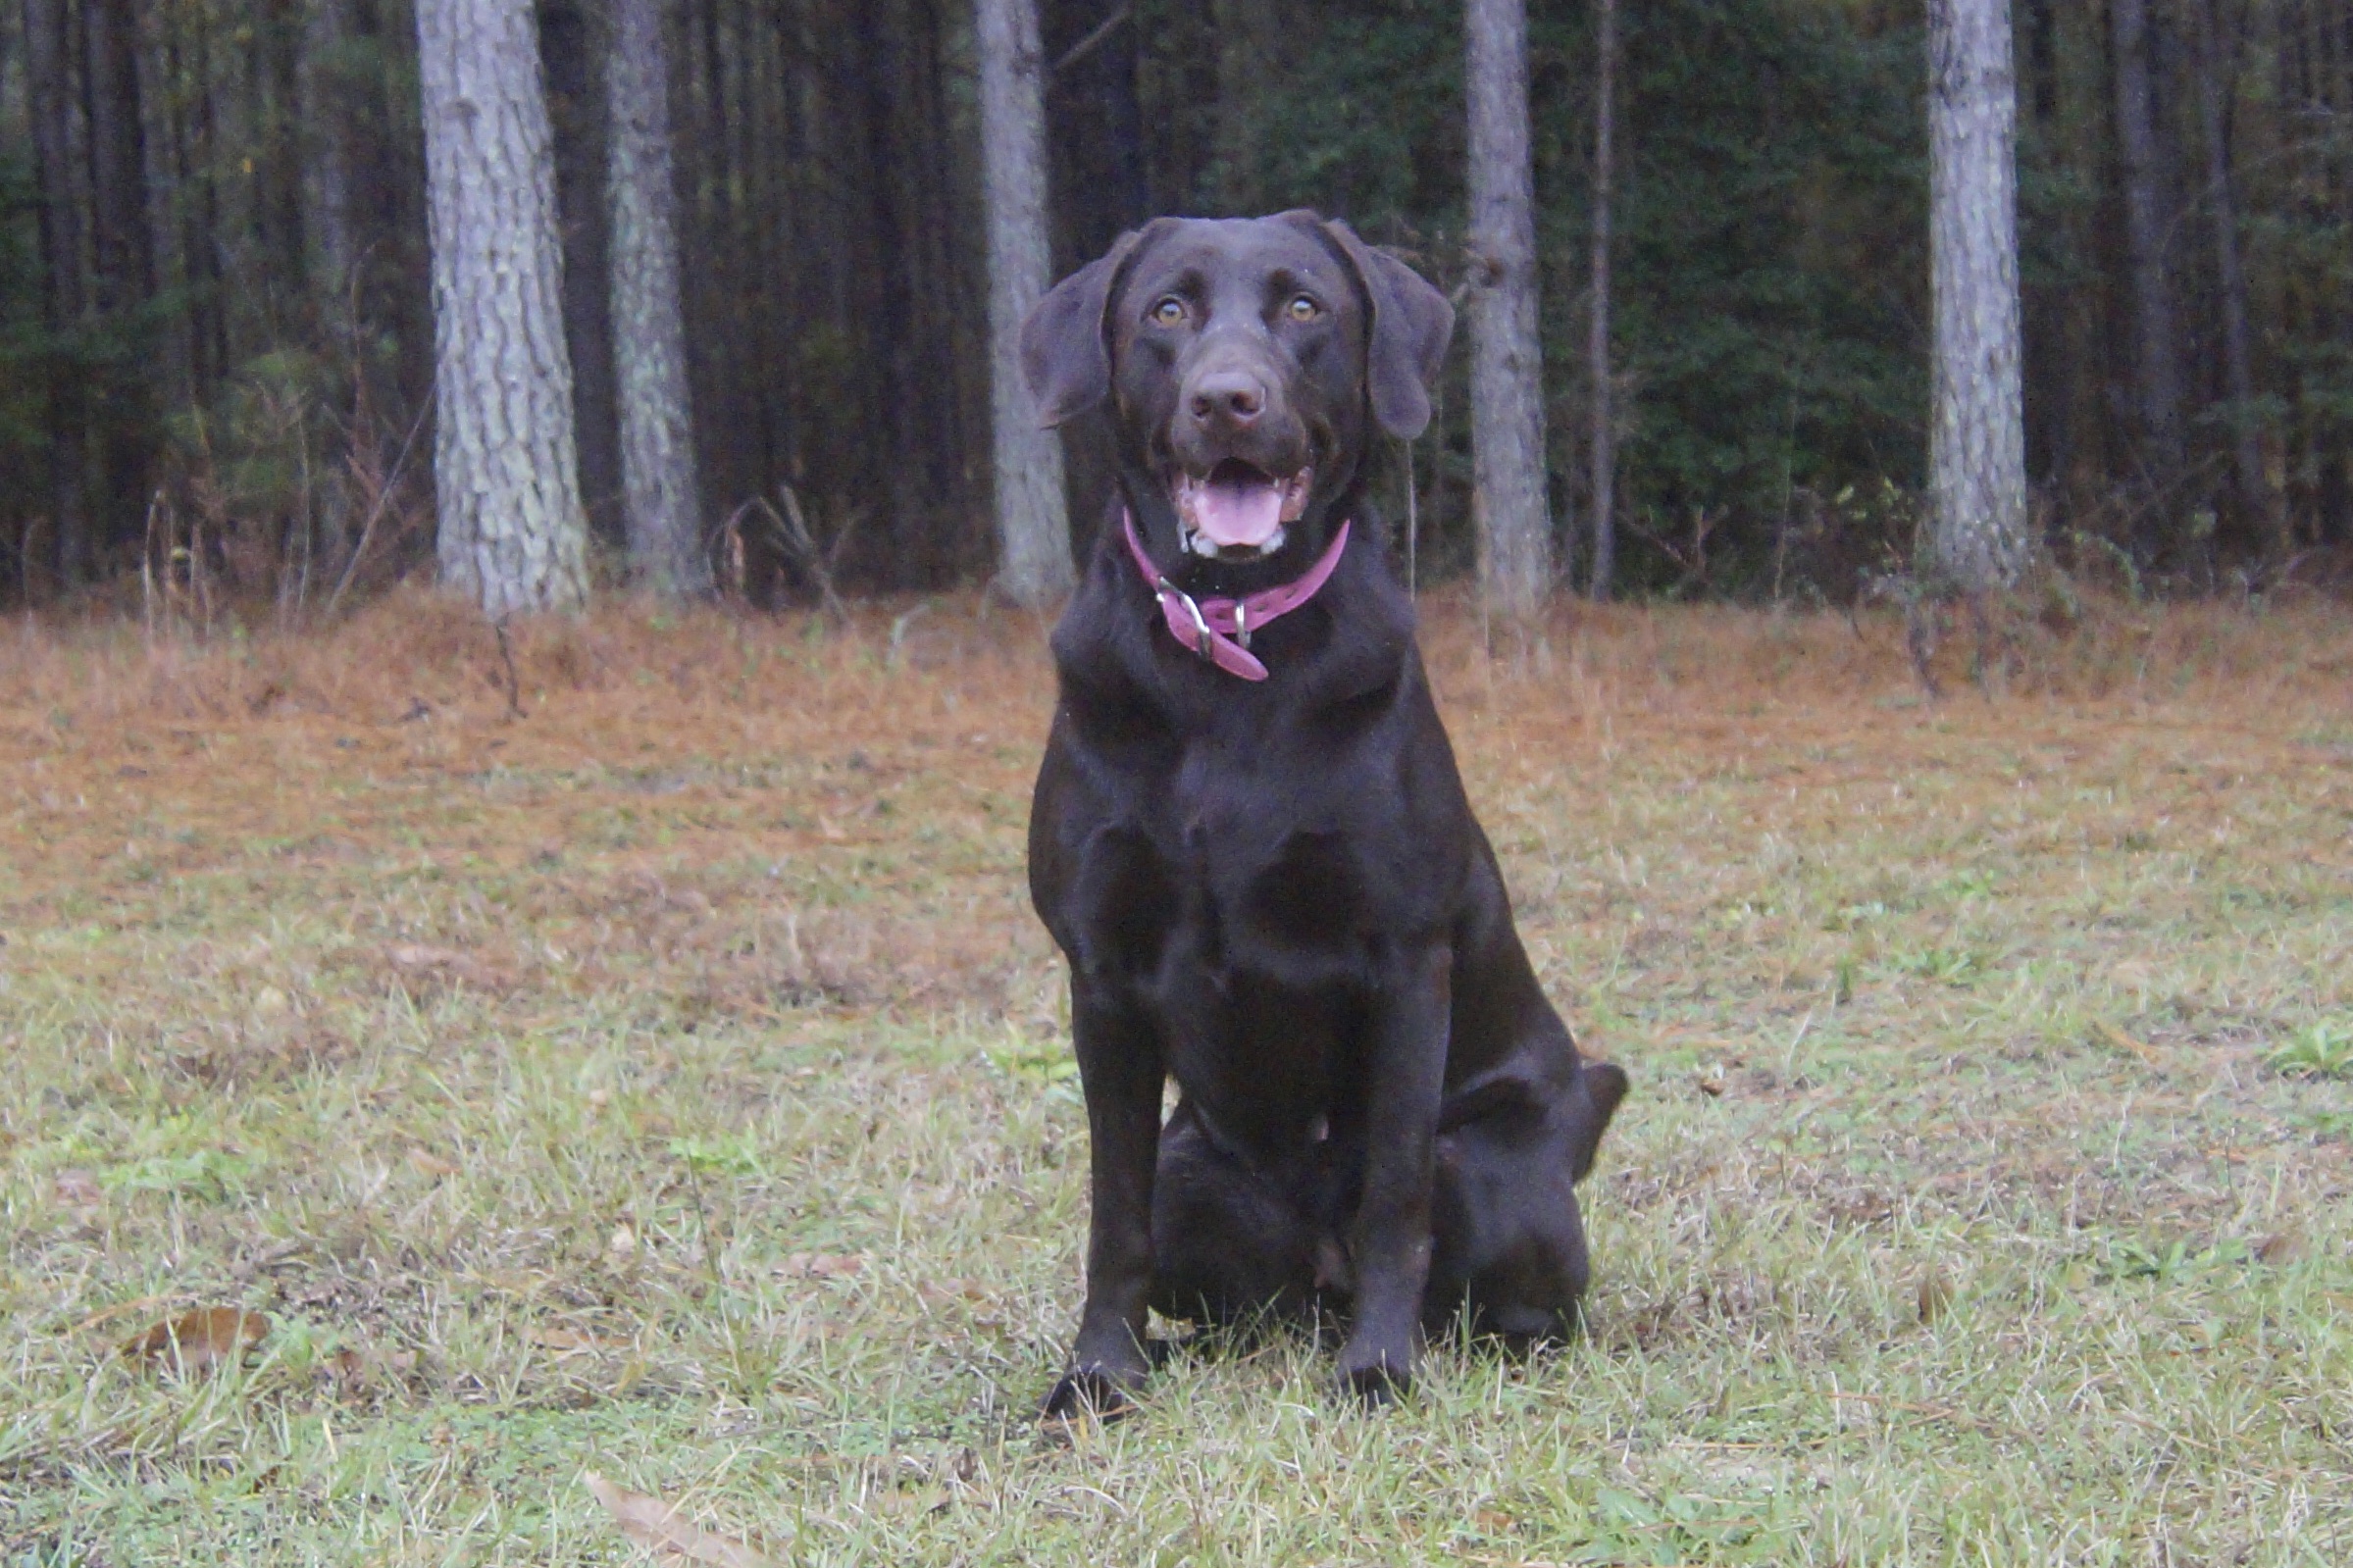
(1237, 511)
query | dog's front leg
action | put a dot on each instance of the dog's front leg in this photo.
(1119, 1067)
(1405, 1066)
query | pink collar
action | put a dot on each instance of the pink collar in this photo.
(1218, 630)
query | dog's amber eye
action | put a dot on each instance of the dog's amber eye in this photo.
(1169, 311)
(1304, 309)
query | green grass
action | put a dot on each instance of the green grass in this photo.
(679, 1091)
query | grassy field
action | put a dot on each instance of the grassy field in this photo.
(649, 1068)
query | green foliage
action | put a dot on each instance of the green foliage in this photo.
(1770, 343)
(1770, 221)
(1773, 278)
(2323, 1051)
(25, 347)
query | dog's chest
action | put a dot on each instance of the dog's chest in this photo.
(1247, 882)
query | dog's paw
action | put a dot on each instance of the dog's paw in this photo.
(1375, 1383)
(1091, 1394)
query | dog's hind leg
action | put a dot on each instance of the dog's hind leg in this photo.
(1229, 1247)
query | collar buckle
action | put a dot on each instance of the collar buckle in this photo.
(1201, 634)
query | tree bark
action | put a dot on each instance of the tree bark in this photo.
(659, 492)
(48, 59)
(1507, 387)
(327, 113)
(511, 529)
(2055, 323)
(1033, 529)
(2156, 320)
(277, 103)
(890, 317)
(2231, 280)
(122, 247)
(1977, 446)
(572, 60)
(1602, 441)
(1096, 139)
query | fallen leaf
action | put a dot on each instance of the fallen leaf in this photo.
(2285, 1246)
(655, 1526)
(198, 1340)
(2125, 1042)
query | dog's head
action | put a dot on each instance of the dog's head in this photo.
(1245, 362)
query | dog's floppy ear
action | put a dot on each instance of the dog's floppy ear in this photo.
(1604, 1085)
(1606, 1081)
(1066, 352)
(1411, 323)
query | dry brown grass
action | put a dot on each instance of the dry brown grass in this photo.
(667, 1080)
(418, 688)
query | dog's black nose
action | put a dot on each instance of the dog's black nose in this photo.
(1234, 396)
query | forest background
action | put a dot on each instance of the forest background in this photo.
(217, 337)
(463, 1072)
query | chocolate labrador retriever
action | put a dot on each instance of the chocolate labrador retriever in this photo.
(1251, 841)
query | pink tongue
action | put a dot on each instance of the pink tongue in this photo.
(1238, 512)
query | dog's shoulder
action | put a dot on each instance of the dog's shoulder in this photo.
(1103, 665)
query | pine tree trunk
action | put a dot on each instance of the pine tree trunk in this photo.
(326, 110)
(2155, 322)
(122, 247)
(660, 496)
(1977, 445)
(2054, 322)
(511, 530)
(1033, 529)
(573, 40)
(1603, 443)
(48, 60)
(200, 248)
(1506, 387)
(2231, 279)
